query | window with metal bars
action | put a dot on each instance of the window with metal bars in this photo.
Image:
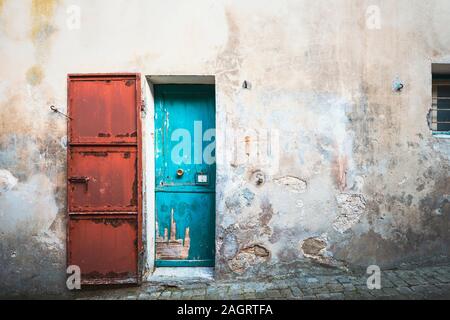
(440, 110)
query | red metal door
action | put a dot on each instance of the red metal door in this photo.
(104, 178)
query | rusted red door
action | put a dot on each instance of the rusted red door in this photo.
(104, 177)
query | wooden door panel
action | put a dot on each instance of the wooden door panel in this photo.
(184, 229)
(185, 176)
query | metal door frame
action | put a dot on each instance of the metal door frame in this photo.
(138, 106)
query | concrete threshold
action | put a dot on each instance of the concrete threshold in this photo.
(184, 274)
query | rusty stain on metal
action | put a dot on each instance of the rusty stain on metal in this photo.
(105, 215)
(104, 248)
(247, 145)
(112, 173)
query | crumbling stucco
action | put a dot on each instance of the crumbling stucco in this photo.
(292, 184)
(351, 207)
(316, 249)
(248, 257)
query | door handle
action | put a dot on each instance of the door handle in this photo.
(84, 180)
(180, 172)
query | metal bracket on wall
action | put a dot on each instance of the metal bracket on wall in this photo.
(143, 107)
(55, 110)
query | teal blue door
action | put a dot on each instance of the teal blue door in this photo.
(185, 170)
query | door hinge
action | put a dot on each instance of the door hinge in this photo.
(143, 108)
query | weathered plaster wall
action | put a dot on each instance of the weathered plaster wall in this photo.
(355, 179)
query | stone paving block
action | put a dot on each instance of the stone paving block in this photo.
(405, 291)
(155, 295)
(345, 280)
(359, 281)
(248, 290)
(212, 290)
(411, 281)
(365, 294)
(360, 287)
(444, 287)
(442, 278)
(129, 297)
(186, 294)
(286, 293)
(441, 270)
(348, 287)
(433, 280)
(389, 291)
(351, 295)
(320, 290)
(199, 292)
(296, 292)
(396, 281)
(281, 284)
(254, 286)
(309, 298)
(335, 287)
(193, 286)
(330, 296)
(250, 296)
(145, 296)
(273, 293)
(374, 292)
(386, 283)
(165, 294)
(424, 290)
(176, 295)
(307, 292)
(261, 295)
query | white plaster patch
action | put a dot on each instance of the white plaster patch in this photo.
(29, 208)
(7, 181)
(293, 184)
(51, 241)
(351, 207)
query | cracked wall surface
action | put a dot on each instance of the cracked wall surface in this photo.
(354, 176)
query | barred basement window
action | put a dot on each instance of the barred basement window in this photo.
(439, 117)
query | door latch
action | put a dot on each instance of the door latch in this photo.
(84, 180)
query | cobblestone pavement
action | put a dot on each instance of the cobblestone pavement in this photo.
(417, 283)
